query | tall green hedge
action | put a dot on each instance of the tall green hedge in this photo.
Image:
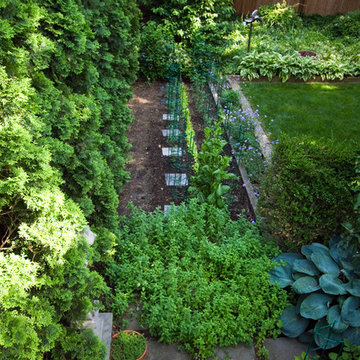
(66, 75)
(306, 191)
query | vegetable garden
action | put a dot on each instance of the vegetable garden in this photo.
(207, 272)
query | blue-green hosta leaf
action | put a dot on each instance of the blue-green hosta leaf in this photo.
(341, 299)
(325, 263)
(352, 268)
(293, 324)
(350, 311)
(338, 250)
(305, 266)
(308, 250)
(299, 301)
(335, 320)
(282, 274)
(306, 284)
(288, 257)
(350, 275)
(315, 306)
(325, 337)
(307, 337)
(353, 287)
(352, 334)
(297, 275)
(331, 284)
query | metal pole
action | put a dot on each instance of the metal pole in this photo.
(249, 40)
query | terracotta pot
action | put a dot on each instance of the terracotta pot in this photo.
(142, 357)
(304, 53)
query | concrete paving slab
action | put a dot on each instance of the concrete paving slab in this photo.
(159, 351)
(238, 352)
(284, 348)
(171, 132)
(103, 329)
(172, 151)
(170, 117)
(176, 180)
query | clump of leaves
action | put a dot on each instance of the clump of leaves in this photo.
(201, 277)
(349, 352)
(207, 184)
(279, 15)
(328, 282)
(127, 346)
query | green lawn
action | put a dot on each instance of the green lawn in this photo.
(330, 110)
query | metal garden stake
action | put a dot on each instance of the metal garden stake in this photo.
(250, 21)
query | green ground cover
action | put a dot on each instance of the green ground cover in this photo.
(199, 278)
(318, 110)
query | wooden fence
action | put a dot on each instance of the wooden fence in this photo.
(322, 7)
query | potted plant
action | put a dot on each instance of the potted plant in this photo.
(128, 345)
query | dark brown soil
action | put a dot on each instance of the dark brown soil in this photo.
(146, 187)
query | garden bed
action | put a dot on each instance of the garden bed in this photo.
(146, 187)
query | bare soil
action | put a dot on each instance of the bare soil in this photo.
(147, 167)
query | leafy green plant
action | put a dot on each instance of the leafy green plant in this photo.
(352, 231)
(200, 278)
(189, 131)
(127, 346)
(230, 99)
(207, 184)
(271, 64)
(346, 25)
(279, 15)
(349, 352)
(154, 50)
(305, 356)
(328, 282)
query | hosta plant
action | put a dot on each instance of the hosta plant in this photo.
(328, 282)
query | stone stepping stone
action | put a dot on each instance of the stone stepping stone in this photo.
(170, 117)
(172, 151)
(167, 209)
(171, 132)
(176, 180)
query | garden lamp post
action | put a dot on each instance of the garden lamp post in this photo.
(250, 21)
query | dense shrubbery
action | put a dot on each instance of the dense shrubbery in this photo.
(306, 191)
(346, 25)
(66, 77)
(45, 287)
(282, 32)
(200, 277)
(279, 15)
(156, 44)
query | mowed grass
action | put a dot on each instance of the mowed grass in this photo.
(319, 110)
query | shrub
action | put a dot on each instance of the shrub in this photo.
(127, 346)
(156, 43)
(279, 15)
(200, 277)
(328, 281)
(346, 25)
(45, 288)
(307, 191)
